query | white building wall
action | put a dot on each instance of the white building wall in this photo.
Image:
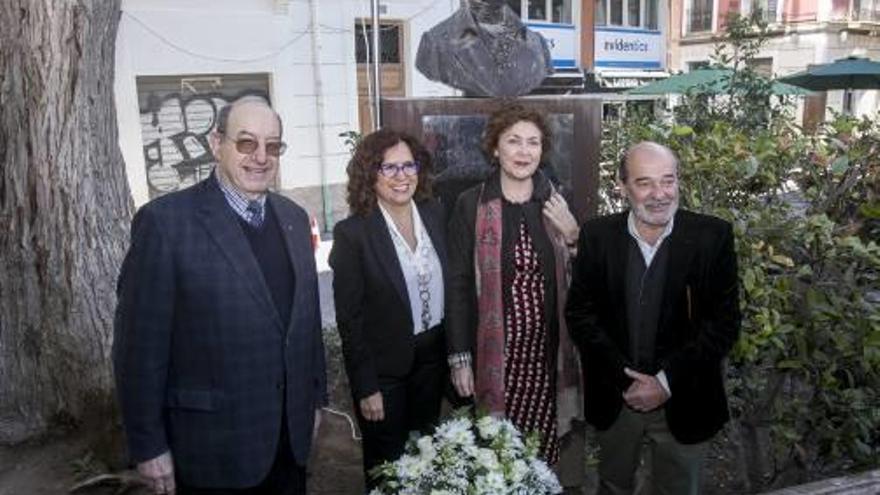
(170, 37)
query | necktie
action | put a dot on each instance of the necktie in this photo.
(255, 211)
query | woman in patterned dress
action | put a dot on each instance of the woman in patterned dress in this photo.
(509, 240)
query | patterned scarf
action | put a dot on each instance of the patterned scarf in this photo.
(490, 329)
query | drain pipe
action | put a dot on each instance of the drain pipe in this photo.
(377, 64)
(315, 27)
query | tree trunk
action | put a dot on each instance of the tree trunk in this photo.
(64, 212)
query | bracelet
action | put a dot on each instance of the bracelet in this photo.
(459, 360)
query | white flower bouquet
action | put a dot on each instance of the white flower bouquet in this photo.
(464, 456)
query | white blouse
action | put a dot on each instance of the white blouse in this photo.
(421, 272)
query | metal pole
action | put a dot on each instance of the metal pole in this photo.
(377, 60)
(320, 119)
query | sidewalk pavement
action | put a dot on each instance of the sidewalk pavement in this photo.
(325, 284)
(321, 255)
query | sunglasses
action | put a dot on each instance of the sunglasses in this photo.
(392, 169)
(248, 146)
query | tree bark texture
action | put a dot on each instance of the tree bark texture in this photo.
(65, 208)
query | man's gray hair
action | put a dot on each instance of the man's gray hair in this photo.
(649, 147)
(223, 114)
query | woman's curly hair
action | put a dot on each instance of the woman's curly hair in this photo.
(364, 166)
(504, 118)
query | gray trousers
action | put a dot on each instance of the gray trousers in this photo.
(571, 468)
(675, 467)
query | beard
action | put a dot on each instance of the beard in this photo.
(656, 213)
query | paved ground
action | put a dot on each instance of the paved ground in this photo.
(53, 466)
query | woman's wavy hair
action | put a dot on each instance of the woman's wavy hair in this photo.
(363, 168)
(504, 118)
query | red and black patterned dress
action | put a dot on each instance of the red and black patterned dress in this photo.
(528, 392)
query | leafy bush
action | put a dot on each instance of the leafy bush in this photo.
(805, 374)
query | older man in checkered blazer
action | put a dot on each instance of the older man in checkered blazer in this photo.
(218, 352)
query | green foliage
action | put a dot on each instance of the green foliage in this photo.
(807, 360)
(844, 177)
(748, 101)
(805, 209)
(351, 139)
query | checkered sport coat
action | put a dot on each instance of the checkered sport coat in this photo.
(201, 356)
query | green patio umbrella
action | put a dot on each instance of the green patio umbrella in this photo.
(705, 81)
(844, 73)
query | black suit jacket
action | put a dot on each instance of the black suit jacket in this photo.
(372, 304)
(200, 353)
(698, 324)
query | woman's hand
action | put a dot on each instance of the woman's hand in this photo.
(372, 407)
(463, 379)
(557, 212)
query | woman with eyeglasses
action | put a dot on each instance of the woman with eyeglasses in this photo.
(510, 239)
(388, 261)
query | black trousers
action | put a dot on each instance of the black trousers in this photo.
(286, 477)
(411, 403)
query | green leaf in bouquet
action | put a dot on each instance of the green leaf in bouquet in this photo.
(840, 165)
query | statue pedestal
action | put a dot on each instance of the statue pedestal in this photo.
(451, 129)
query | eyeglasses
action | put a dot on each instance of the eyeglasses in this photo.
(248, 146)
(392, 169)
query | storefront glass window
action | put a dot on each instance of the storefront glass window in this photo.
(616, 12)
(537, 10)
(639, 13)
(562, 11)
(651, 14)
(601, 9)
(633, 13)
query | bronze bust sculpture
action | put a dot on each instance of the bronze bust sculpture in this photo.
(484, 49)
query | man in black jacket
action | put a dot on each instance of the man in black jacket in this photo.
(654, 309)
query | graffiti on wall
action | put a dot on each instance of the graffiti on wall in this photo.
(176, 130)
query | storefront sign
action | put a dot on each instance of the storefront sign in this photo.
(562, 39)
(628, 48)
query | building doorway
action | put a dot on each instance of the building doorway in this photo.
(392, 69)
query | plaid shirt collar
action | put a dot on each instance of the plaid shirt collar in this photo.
(238, 201)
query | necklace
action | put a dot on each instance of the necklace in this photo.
(419, 257)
